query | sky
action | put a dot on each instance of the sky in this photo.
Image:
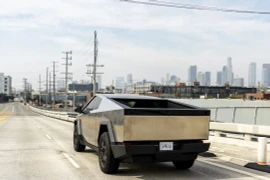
(146, 41)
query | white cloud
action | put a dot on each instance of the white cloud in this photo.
(64, 23)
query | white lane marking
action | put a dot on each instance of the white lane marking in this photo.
(71, 160)
(235, 170)
(48, 136)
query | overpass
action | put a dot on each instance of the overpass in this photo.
(34, 146)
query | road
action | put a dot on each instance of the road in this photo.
(37, 147)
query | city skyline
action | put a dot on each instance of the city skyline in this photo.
(35, 32)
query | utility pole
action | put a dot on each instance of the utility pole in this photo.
(50, 84)
(47, 93)
(95, 63)
(40, 89)
(66, 74)
(54, 83)
(25, 88)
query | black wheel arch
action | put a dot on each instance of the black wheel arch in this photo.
(77, 124)
(106, 126)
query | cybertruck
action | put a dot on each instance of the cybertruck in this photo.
(129, 128)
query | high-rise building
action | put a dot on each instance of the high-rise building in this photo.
(5, 84)
(207, 78)
(252, 74)
(129, 80)
(224, 75)
(229, 71)
(162, 81)
(266, 75)
(119, 82)
(239, 82)
(129, 85)
(219, 78)
(174, 79)
(192, 74)
(201, 79)
(167, 79)
(99, 81)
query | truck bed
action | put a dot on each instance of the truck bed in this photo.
(163, 120)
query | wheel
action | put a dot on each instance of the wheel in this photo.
(108, 164)
(76, 141)
(183, 164)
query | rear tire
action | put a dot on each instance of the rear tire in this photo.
(183, 164)
(107, 163)
(76, 141)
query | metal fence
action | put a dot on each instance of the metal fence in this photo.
(241, 115)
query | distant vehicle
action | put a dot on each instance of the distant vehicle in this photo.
(59, 105)
(141, 128)
(69, 103)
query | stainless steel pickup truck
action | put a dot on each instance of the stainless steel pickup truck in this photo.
(129, 128)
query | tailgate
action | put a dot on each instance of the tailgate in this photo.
(156, 128)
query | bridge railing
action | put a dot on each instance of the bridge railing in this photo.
(218, 128)
(241, 115)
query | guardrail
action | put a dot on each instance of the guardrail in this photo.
(248, 131)
(70, 117)
(241, 115)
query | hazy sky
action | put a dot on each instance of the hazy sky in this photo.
(146, 41)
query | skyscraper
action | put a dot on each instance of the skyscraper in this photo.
(207, 78)
(119, 82)
(201, 79)
(129, 79)
(239, 82)
(129, 85)
(219, 78)
(99, 81)
(192, 73)
(167, 79)
(224, 75)
(229, 71)
(266, 75)
(252, 75)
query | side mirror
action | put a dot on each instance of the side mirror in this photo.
(78, 109)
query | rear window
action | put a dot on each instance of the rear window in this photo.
(143, 103)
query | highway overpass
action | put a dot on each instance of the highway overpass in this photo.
(38, 147)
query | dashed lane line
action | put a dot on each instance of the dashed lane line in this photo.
(48, 136)
(71, 160)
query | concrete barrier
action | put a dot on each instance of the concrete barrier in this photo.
(53, 114)
(246, 130)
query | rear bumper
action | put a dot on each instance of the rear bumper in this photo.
(181, 152)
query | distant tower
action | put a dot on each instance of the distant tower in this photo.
(229, 71)
(252, 75)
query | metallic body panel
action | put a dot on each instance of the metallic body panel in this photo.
(165, 128)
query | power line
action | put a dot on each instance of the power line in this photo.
(194, 7)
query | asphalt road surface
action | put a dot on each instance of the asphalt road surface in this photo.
(38, 147)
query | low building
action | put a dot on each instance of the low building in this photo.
(5, 84)
(82, 87)
(198, 91)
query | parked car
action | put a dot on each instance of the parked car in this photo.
(126, 128)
